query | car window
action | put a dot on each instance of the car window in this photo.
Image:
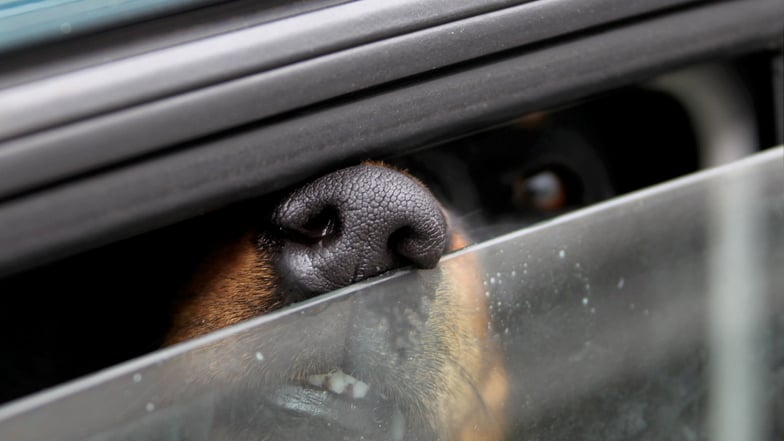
(614, 218)
(654, 315)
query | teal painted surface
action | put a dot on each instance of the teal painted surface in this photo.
(24, 22)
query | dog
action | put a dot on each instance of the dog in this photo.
(431, 363)
(434, 364)
(344, 227)
(245, 261)
(365, 220)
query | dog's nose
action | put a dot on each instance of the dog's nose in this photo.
(356, 223)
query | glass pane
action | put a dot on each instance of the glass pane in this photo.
(657, 315)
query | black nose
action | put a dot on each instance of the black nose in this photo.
(356, 223)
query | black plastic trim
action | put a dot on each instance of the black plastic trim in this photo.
(117, 136)
(118, 203)
(121, 83)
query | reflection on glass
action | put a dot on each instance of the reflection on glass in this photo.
(593, 326)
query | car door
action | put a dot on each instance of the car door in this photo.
(121, 126)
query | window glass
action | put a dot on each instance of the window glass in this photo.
(651, 316)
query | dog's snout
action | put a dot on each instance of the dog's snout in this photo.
(356, 223)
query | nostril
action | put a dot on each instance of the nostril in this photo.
(420, 244)
(316, 228)
(398, 242)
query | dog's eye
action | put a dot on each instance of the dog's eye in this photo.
(545, 191)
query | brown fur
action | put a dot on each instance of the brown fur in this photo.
(471, 410)
(235, 283)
